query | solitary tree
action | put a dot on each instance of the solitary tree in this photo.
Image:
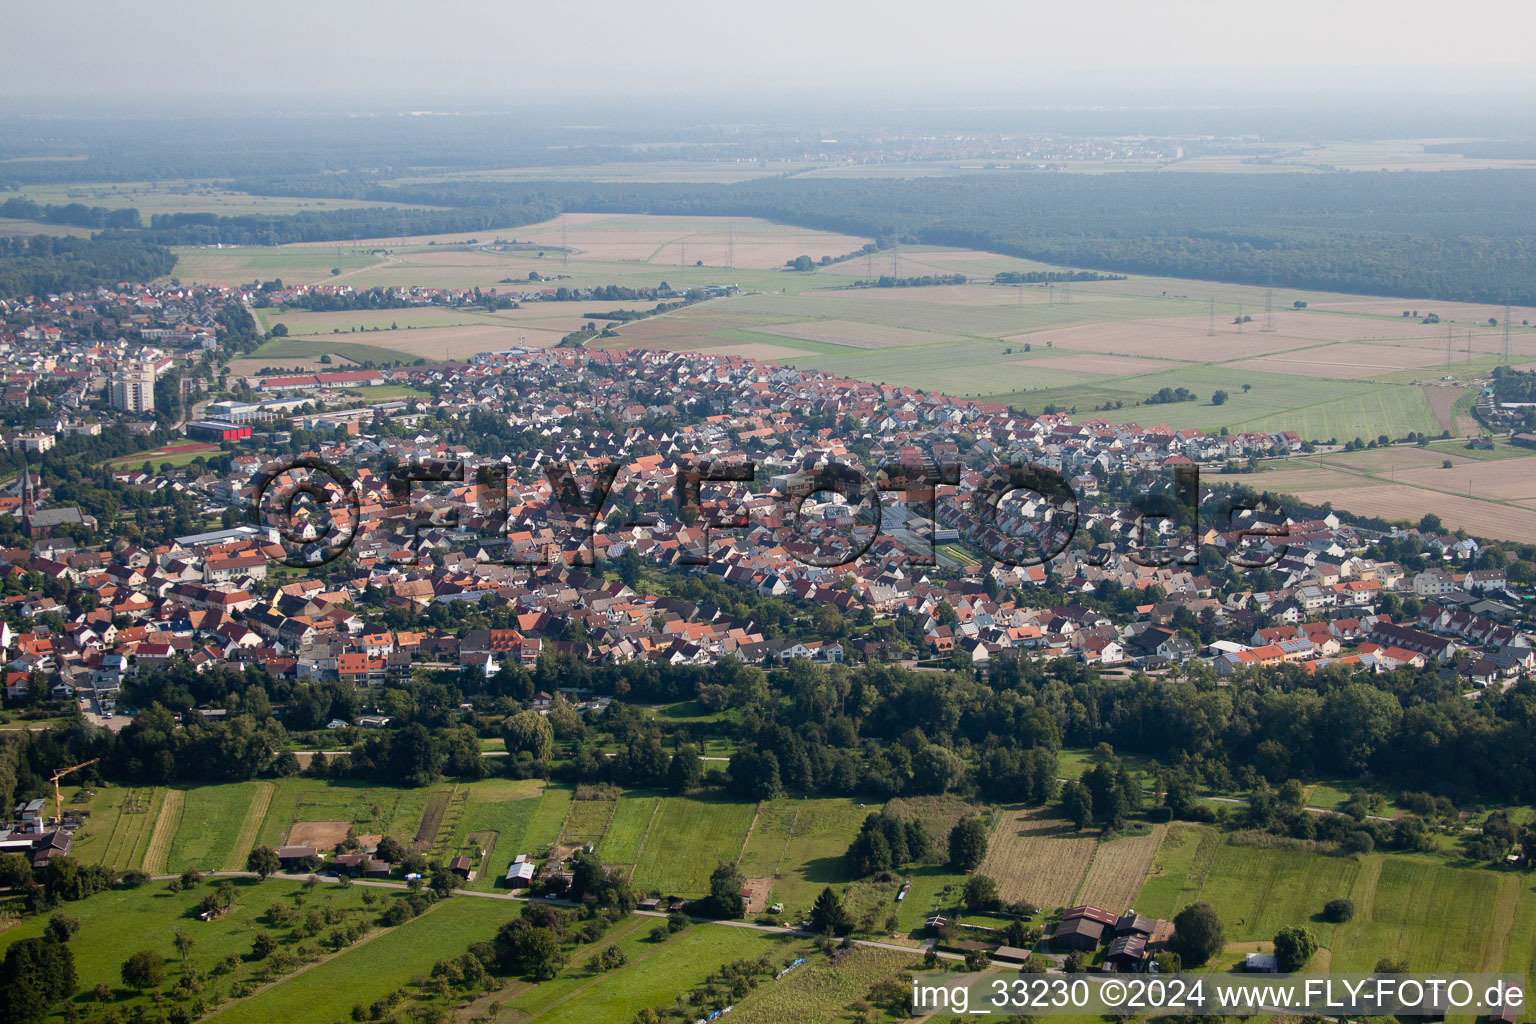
(1077, 803)
(529, 731)
(980, 894)
(1293, 948)
(263, 860)
(145, 969)
(725, 886)
(184, 944)
(1198, 934)
(828, 916)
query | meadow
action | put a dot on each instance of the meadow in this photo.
(798, 847)
(656, 975)
(1434, 914)
(117, 923)
(379, 964)
(686, 840)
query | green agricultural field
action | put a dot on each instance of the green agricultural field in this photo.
(926, 897)
(1436, 916)
(588, 821)
(497, 815)
(187, 197)
(656, 977)
(688, 839)
(821, 992)
(244, 264)
(120, 823)
(212, 829)
(301, 348)
(371, 809)
(548, 818)
(804, 841)
(379, 964)
(119, 922)
(628, 829)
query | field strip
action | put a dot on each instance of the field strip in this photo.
(784, 850)
(748, 837)
(145, 828)
(651, 822)
(254, 815)
(165, 831)
(1501, 921)
(1363, 893)
(1077, 894)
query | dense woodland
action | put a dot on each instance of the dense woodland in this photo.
(40, 264)
(1449, 235)
(875, 730)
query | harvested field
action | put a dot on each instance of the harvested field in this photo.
(1096, 366)
(746, 350)
(443, 342)
(743, 242)
(1350, 360)
(431, 819)
(1504, 480)
(322, 835)
(854, 334)
(250, 366)
(1037, 857)
(1119, 868)
(1170, 338)
(1403, 502)
(1442, 402)
(1186, 337)
(165, 831)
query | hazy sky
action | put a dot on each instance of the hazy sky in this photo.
(836, 50)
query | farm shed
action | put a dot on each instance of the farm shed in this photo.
(1126, 952)
(519, 873)
(1010, 955)
(1079, 933)
(1264, 963)
(292, 855)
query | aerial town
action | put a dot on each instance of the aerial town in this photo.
(582, 585)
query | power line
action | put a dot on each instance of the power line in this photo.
(1211, 331)
(1269, 310)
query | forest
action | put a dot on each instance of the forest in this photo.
(1450, 235)
(40, 264)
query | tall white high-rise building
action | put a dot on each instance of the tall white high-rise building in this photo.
(132, 386)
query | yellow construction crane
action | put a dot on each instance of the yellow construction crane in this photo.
(58, 804)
